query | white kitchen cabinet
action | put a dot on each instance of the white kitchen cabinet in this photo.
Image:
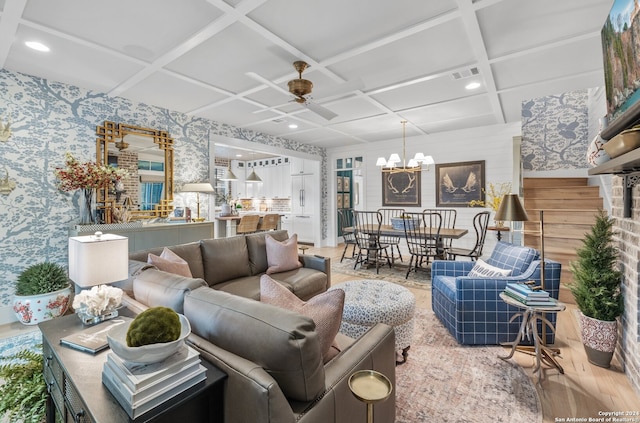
(238, 188)
(301, 166)
(304, 189)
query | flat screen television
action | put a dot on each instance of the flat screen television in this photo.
(622, 65)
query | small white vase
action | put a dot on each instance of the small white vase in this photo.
(595, 152)
(225, 210)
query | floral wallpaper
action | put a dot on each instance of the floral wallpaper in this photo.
(49, 119)
(555, 132)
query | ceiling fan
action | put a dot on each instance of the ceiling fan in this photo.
(300, 88)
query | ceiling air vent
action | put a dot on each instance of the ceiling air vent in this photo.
(466, 73)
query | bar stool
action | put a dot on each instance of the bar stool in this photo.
(248, 224)
(269, 222)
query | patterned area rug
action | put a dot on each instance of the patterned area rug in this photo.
(443, 381)
(395, 274)
(15, 344)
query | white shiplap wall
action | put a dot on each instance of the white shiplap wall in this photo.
(493, 144)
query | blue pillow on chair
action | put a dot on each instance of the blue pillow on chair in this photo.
(514, 257)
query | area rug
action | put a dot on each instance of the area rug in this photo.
(15, 344)
(395, 274)
(443, 381)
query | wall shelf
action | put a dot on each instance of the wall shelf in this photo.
(627, 163)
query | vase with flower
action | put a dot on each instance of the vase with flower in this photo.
(86, 177)
(493, 198)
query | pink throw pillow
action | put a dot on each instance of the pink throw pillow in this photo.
(282, 256)
(324, 309)
(170, 262)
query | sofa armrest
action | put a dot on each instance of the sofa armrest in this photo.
(375, 350)
(316, 262)
(155, 288)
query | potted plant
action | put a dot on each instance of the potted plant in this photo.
(23, 393)
(42, 293)
(596, 289)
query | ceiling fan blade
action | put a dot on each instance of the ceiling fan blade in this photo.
(319, 110)
(340, 89)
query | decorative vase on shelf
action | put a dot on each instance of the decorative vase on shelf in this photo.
(225, 209)
(87, 202)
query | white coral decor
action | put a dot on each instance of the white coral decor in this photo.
(98, 300)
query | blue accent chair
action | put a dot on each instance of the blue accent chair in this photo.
(470, 307)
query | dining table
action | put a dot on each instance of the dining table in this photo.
(388, 230)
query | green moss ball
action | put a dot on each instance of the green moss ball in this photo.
(153, 326)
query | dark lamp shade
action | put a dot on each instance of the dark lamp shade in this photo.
(511, 209)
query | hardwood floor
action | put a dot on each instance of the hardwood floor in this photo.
(583, 391)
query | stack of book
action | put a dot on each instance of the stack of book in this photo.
(141, 387)
(528, 296)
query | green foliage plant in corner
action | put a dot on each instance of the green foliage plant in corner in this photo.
(23, 393)
(597, 291)
(596, 285)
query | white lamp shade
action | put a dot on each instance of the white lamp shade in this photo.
(198, 187)
(419, 157)
(95, 260)
(413, 163)
(229, 176)
(253, 177)
(428, 160)
(381, 162)
(394, 158)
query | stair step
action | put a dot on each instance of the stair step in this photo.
(557, 230)
(553, 182)
(565, 203)
(586, 217)
(563, 192)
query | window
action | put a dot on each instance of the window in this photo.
(150, 194)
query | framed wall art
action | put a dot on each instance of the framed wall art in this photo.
(459, 183)
(401, 188)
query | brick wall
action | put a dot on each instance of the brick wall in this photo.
(129, 160)
(628, 237)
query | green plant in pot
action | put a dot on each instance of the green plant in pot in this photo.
(23, 392)
(42, 293)
(596, 289)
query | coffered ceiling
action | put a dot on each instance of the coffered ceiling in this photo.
(372, 62)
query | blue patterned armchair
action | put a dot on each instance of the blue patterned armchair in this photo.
(470, 308)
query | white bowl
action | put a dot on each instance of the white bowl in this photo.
(152, 353)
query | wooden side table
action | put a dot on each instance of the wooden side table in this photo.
(499, 230)
(76, 392)
(529, 327)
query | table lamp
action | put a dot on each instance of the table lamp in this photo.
(198, 188)
(97, 260)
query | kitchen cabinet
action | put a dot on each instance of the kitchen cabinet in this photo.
(238, 188)
(304, 190)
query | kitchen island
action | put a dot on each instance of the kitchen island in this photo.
(226, 225)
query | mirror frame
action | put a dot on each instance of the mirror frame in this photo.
(110, 133)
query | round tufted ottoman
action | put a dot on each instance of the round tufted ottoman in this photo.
(368, 302)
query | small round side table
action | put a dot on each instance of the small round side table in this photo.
(370, 387)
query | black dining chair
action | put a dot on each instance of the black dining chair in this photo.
(448, 222)
(480, 224)
(387, 214)
(422, 232)
(366, 229)
(345, 220)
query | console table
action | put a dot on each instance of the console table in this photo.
(76, 392)
(144, 236)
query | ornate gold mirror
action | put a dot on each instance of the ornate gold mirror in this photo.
(147, 155)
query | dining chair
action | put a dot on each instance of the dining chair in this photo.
(366, 229)
(480, 224)
(448, 222)
(269, 222)
(422, 232)
(387, 214)
(345, 220)
(248, 224)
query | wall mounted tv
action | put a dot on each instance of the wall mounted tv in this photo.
(622, 66)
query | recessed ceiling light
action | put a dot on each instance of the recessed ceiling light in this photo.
(293, 126)
(36, 45)
(472, 85)
(238, 155)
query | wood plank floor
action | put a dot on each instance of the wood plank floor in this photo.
(583, 391)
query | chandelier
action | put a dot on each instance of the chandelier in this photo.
(413, 165)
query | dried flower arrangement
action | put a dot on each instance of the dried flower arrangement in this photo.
(494, 196)
(76, 175)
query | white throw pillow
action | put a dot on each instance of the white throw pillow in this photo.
(483, 270)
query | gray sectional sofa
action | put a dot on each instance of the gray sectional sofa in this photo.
(272, 356)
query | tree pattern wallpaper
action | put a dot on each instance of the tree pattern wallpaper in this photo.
(49, 119)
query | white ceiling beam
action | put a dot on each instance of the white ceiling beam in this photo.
(11, 15)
